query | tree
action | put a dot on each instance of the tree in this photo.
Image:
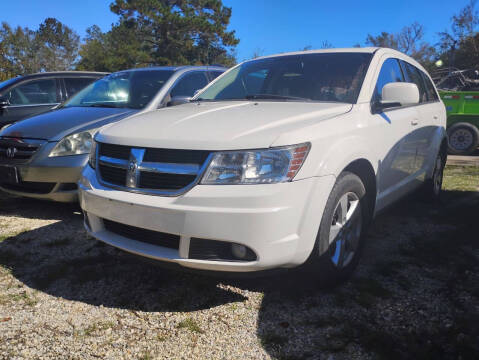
(409, 41)
(58, 45)
(460, 46)
(52, 47)
(180, 31)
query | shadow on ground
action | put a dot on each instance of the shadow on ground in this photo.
(415, 295)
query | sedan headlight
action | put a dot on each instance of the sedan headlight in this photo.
(256, 166)
(75, 144)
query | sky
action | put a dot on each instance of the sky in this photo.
(267, 26)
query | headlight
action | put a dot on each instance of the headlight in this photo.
(75, 144)
(256, 166)
(92, 157)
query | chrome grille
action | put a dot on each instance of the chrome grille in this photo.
(18, 151)
(166, 172)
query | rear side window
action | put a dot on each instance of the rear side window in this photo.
(34, 92)
(390, 73)
(74, 85)
(189, 83)
(413, 75)
(431, 91)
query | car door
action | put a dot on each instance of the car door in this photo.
(393, 127)
(28, 98)
(424, 128)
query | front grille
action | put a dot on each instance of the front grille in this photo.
(18, 151)
(147, 236)
(30, 187)
(113, 175)
(156, 171)
(151, 180)
(115, 151)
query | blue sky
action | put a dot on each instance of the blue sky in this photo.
(270, 26)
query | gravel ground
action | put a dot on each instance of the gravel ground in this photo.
(65, 295)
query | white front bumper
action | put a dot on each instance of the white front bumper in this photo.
(278, 222)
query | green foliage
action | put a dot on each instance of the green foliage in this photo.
(161, 32)
(54, 46)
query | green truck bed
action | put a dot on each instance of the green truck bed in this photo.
(462, 120)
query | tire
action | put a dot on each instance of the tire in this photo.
(463, 138)
(431, 191)
(339, 242)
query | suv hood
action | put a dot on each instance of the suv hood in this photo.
(56, 124)
(218, 125)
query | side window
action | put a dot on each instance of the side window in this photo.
(42, 91)
(189, 83)
(431, 90)
(214, 74)
(74, 85)
(390, 73)
(413, 75)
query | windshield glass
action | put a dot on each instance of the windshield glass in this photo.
(334, 77)
(126, 89)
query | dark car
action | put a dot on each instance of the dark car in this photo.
(25, 96)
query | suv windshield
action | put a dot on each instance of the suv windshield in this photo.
(306, 77)
(126, 89)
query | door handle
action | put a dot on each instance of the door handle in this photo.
(414, 122)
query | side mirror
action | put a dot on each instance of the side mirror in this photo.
(398, 94)
(4, 102)
(178, 100)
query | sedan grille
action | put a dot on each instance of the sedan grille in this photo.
(18, 151)
(167, 172)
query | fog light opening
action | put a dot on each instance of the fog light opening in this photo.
(239, 251)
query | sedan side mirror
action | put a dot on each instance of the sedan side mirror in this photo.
(4, 102)
(398, 94)
(178, 100)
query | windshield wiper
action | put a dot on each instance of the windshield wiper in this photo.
(274, 97)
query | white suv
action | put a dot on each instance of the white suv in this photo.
(281, 161)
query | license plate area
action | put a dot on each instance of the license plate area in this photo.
(9, 175)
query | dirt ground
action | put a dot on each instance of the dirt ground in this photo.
(415, 294)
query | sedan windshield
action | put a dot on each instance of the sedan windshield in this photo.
(126, 89)
(334, 77)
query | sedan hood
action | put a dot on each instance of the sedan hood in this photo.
(218, 125)
(56, 124)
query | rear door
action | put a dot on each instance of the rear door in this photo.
(394, 127)
(428, 114)
(29, 98)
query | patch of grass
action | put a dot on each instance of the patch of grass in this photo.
(21, 297)
(146, 356)
(191, 325)
(273, 338)
(461, 178)
(95, 327)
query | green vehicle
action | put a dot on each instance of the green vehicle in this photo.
(462, 120)
(459, 90)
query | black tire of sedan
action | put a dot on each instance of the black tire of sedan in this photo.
(463, 138)
(340, 237)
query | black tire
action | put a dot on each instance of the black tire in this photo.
(432, 188)
(463, 139)
(321, 264)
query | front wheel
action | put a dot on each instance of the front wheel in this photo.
(340, 237)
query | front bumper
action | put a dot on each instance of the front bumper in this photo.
(48, 178)
(279, 222)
